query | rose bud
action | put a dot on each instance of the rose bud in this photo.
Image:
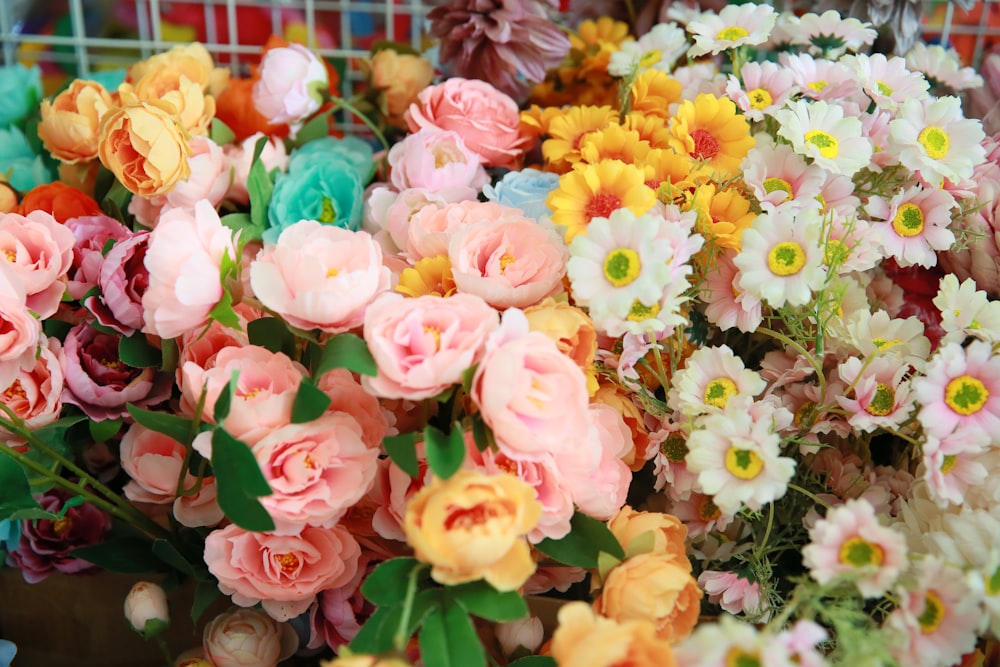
(144, 603)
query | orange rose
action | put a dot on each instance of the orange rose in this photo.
(143, 145)
(571, 329)
(652, 587)
(472, 526)
(400, 77)
(584, 639)
(70, 121)
(192, 61)
(193, 107)
(59, 199)
(667, 531)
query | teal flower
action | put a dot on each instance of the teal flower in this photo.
(109, 78)
(7, 652)
(19, 164)
(327, 189)
(356, 152)
(20, 93)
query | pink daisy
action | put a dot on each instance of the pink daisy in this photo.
(727, 305)
(778, 175)
(765, 88)
(960, 387)
(711, 377)
(850, 247)
(932, 137)
(801, 641)
(829, 34)
(669, 470)
(821, 79)
(915, 225)
(881, 397)
(887, 80)
(734, 593)
(875, 126)
(700, 514)
(951, 465)
(850, 541)
(837, 197)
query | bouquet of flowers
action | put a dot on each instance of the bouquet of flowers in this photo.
(690, 334)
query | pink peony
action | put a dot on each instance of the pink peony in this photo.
(347, 395)
(319, 277)
(487, 119)
(240, 160)
(423, 345)
(599, 487)
(39, 253)
(247, 638)
(201, 346)
(284, 572)
(91, 234)
(123, 280)
(510, 264)
(392, 491)
(435, 159)
(430, 229)
(35, 395)
(290, 84)
(184, 256)
(19, 329)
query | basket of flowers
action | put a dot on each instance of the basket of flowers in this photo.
(592, 347)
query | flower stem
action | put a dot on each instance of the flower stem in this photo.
(341, 103)
(401, 636)
(810, 495)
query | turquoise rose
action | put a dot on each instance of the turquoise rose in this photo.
(19, 164)
(109, 78)
(327, 189)
(356, 152)
(526, 190)
(20, 93)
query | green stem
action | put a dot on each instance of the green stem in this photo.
(770, 523)
(401, 636)
(804, 352)
(341, 103)
(809, 494)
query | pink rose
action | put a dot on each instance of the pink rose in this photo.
(319, 277)
(423, 345)
(510, 264)
(337, 616)
(290, 85)
(247, 638)
(316, 470)
(435, 159)
(240, 160)
(201, 509)
(145, 602)
(392, 491)
(123, 280)
(91, 234)
(430, 229)
(396, 210)
(39, 253)
(347, 395)
(19, 329)
(599, 484)
(265, 390)
(531, 395)
(184, 255)
(284, 572)
(99, 383)
(486, 119)
(35, 395)
(201, 346)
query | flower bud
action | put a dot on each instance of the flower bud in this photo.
(526, 633)
(146, 602)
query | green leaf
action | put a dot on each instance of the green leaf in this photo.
(348, 351)
(15, 491)
(448, 639)
(316, 127)
(534, 661)
(223, 312)
(205, 593)
(154, 627)
(118, 196)
(481, 599)
(272, 334)
(168, 424)
(386, 585)
(168, 348)
(310, 402)
(243, 223)
(104, 430)
(225, 399)
(54, 328)
(402, 449)
(169, 554)
(239, 482)
(445, 454)
(135, 351)
(587, 538)
(130, 555)
(481, 433)
(259, 186)
(220, 133)
(375, 636)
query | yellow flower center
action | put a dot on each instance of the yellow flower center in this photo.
(948, 463)
(909, 220)
(786, 258)
(332, 272)
(825, 143)
(933, 613)
(327, 212)
(859, 552)
(883, 344)
(621, 266)
(731, 34)
(804, 413)
(15, 391)
(640, 312)
(760, 98)
(62, 526)
(506, 260)
(288, 562)
(718, 392)
(441, 159)
(650, 58)
(883, 401)
(250, 394)
(818, 86)
(674, 448)
(435, 333)
(10, 255)
(743, 463)
(775, 184)
(966, 395)
(883, 88)
(935, 141)
(737, 657)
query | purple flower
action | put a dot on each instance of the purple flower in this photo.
(505, 42)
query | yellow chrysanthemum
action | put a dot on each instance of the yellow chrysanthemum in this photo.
(709, 129)
(722, 215)
(613, 143)
(592, 33)
(650, 128)
(595, 190)
(654, 91)
(429, 276)
(670, 174)
(562, 149)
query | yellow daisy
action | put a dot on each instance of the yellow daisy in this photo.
(593, 33)
(650, 128)
(654, 91)
(430, 275)
(562, 149)
(669, 174)
(595, 190)
(613, 143)
(535, 120)
(710, 129)
(722, 215)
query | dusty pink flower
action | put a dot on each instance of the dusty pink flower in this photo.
(99, 383)
(487, 119)
(123, 280)
(389, 213)
(284, 572)
(730, 591)
(247, 638)
(319, 277)
(39, 252)
(337, 616)
(91, 234)
(499, 40)
(35, 395)
(423, 345)
(435, 159)
(290, 84)
(183, 258)
(240, 159)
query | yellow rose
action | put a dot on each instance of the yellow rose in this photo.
(584, 639)
(613, 396)
(652, 587)
(190, 60)
(400, 77)
(667, 531)
(194, 108)
(472, 526)
(71, 120)
(572, 330)
(363, 660)
(143, 145)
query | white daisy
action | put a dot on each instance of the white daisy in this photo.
(657, 49)
(778, 175)
(830, 34)
(821, 131)
(966, 311)
(932, 138)
(874, 333)
(914, 225)
(887, 80)
(942, 67)
(735, 25)
(711, 377)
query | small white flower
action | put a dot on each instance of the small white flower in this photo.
(735, 25)
(933, 138)
(822, 132)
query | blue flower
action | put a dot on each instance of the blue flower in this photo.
(526, 190)
(7, 652)
(10, 534)
(356, 152)
(328, 190)
(23, 169)
(20, 93)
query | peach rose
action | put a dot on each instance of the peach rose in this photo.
(319, 277)
(399, 77)
(615, 397)
(584, 639)
(347, 395)
(192, 61)
(571, 329)
(430, 228)
(668, 532)
(487, 119)
(423, 345)
(472, 526)
(435, 159)
(143, 145)
(202, 345)
(35, 395)
(8, 196)
(193, 108)
(652, 587)
(364, 660)
(210, 179)
(20, 331)
(283, 572)
(247, 638)
(70, 122)
(39, 253)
